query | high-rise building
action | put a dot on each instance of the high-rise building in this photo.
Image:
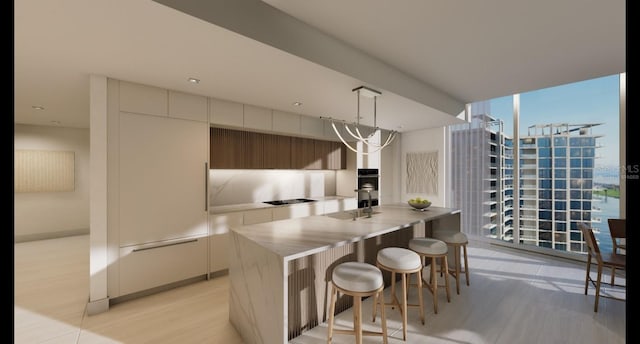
(482, 173)
(556, 185)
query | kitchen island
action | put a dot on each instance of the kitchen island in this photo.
(279, 271)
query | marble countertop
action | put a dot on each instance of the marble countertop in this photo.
(299, 237)
(222, 209)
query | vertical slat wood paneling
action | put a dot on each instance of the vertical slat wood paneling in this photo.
(322, 153)
(277, 151)
(236, 149)
(310, 278)
(227, 147)
(254, 150)
(310, 288)
(303, 154)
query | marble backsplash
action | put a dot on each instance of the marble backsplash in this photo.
(253, 186)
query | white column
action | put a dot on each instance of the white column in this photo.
(98, 299)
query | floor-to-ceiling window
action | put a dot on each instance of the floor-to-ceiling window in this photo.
(528, 167)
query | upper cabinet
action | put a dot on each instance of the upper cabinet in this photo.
(235, 149)
(286, 122)
(226, 113)
(257, 118)
(188, 106)
(311, 126)
(227, 148)
(143, 99)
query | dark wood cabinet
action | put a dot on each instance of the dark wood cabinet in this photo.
(235, 149)
(277, 151)
(227, 148)
(303, 154)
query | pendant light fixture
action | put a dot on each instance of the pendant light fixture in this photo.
(370, 140)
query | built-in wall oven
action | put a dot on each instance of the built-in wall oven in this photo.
(368, 179)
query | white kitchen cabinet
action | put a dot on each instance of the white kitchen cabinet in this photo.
(311, 126)
(188, 106)
(257, 118)
(219, 236)
(286, 122)
(144, 267)
(162, 179)
(297, 210)
(336, 205)
(252, 217)
(226, 113)
(143, 99)
(349, 203)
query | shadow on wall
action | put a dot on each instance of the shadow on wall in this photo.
(255, 186)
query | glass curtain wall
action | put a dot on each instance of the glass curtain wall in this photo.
(482, 173)
(568, 156)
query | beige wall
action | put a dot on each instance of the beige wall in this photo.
(41, 215)
(426, 140)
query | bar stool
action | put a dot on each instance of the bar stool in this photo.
(358, 280)
(401, 261)
(433, 249)
(456, 240)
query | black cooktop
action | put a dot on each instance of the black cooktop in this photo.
(290, 201)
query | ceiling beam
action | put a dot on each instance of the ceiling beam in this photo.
(266, 24)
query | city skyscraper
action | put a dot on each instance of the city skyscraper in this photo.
(556, 184)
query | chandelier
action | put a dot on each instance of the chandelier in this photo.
(370, 140)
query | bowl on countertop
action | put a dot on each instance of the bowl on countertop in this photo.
(419, 206)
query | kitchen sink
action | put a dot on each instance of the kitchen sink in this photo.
(290, 201)
(350, 215)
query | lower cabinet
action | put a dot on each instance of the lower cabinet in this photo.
(251, 217)
(298, 210)
(337, 205)
(152, 265)
(218, 245)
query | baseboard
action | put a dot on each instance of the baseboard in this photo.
(50, 235)
(97, 307)
(156, 290)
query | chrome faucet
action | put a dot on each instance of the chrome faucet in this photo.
(367, 210)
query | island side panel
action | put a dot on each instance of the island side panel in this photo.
(451, 222)
(310, 288)
(258, 285)
(309, 277)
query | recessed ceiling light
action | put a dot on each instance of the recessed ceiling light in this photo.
(297, 103)
(37, 107)
(194, 80)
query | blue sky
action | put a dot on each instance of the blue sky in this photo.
(590, 101)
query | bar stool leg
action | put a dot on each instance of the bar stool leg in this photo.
(375, 305)
(357, 321)
(384, 318)
(446, 275)
(393, 287)
(420, 297)
(403, 310)
(456, 251)
(466, 264)
(332, 310)
(434, 284)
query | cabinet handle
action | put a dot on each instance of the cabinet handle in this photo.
(206, 186)
(164, 245)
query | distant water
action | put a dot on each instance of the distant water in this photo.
(609, 209)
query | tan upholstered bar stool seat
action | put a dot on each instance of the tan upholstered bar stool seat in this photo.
(358, 280)
(456, 240)
(433, 249)
(401, 261)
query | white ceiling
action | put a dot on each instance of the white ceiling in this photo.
(469, 51)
